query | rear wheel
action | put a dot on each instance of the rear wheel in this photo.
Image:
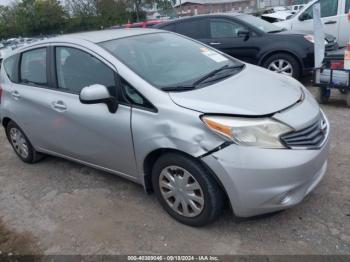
(186, 190)
(284, 64)
(21, 144)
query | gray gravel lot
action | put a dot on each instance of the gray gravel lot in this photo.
(72, 209)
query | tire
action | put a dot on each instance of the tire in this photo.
(291, 60)
(348, 99)
(204, 189)
(343, 91)
(320, 96)
(23, 149)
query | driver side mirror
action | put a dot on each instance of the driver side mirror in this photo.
(304, 16)
(243, 33)
(97, 94)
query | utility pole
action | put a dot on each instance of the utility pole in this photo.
(180, 7)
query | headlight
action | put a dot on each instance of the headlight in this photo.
(311, 39)
(262, 132)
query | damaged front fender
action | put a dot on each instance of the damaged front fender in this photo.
(182, 131)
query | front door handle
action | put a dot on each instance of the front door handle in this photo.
(215, 43)
(330, 22)
(59, 106)
(15, 94)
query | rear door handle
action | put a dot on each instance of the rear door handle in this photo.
(215, 43)
(15, 94)
(330, 22)
(59, 106)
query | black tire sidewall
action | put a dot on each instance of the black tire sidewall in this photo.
(213, 198)
(30, 158)
(320, 97)
(292, 60)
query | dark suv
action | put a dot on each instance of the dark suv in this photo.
(252, 40)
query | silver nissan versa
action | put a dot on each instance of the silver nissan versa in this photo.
(189, 123)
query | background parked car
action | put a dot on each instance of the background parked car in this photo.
(296, 8)
(145, 24)
(334, 16)
(277, 16)
(252, 40)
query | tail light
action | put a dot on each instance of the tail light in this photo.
(337, 64)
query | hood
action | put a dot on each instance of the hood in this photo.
(252, 92)
(328, 37)
(287, 24)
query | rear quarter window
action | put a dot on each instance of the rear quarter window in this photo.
(9, 65)
(170, 27)
(196, 29)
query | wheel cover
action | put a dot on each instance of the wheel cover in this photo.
(181, 191)
(19, 142)
(281, 66)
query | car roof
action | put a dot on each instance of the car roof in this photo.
(104, 35)
(198, 17)
(93, 37)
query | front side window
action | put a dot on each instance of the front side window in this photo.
(347, 6)
(33, 67)
(166, 59)
(223, 28)
(77, 69)
(328, 8)
(133, 96)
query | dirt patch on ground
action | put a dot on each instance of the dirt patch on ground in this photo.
(13, 243)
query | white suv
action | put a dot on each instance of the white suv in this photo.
(334, 16)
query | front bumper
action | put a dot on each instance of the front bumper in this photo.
(259, 181)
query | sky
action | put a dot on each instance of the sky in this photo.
(4, 2)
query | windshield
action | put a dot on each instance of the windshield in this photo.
(167, 60)
(259, 23)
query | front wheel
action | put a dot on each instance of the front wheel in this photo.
(186, 190)
(284, 64)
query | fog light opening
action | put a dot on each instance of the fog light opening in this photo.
(285, 200)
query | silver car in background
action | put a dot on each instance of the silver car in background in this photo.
(187, 122)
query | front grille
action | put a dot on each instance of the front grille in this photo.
(312, 137)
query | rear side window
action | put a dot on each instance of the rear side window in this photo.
(196, 29)
(170, 27)
(10, 67)
(77, 69)
(33, 67)
(347, 6)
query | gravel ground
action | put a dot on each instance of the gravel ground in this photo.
(71, 209)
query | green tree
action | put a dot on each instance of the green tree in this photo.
(49, 17)
(7, 22)
(111, 12)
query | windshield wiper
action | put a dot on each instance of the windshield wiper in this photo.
(276, 31)
(193, 86)
(213, 73)
(178, 88)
